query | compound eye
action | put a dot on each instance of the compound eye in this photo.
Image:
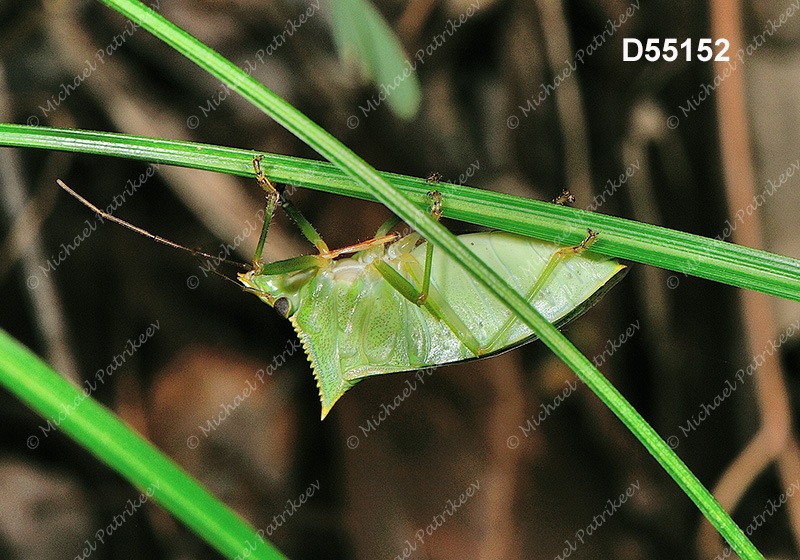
(283, 307)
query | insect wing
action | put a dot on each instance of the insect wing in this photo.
(519, 260)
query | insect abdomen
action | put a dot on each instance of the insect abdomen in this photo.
(359, 325)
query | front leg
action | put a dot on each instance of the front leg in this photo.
(436, 213)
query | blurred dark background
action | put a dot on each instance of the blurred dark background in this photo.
(535, 490)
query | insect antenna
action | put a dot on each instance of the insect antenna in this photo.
(156, 238)
(228, 278)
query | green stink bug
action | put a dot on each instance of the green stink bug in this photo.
(395, 305)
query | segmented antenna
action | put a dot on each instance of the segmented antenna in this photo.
(146, 233)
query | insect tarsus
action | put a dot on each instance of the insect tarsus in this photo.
(564, 198)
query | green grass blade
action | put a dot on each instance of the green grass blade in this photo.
(684, 253)
(107, 437)
(375, 47)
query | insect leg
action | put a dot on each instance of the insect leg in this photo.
(273, 197)
(387, 225)
(305, 226)
(428, 297)
(557, 257)
(436, 304)
(434, 177)
(409, 241)
(564, 198)
(374, 242)
(436, 213)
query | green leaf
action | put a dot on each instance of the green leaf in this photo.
(363, 36)
(683, 253)
(100, 431)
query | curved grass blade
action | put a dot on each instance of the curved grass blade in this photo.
(101, 432)
(684, 253)
(375, 47)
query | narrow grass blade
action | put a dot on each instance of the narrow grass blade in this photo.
(375, 47)
(684, 253)
(100, 431)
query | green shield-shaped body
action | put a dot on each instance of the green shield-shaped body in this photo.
(353, 323)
